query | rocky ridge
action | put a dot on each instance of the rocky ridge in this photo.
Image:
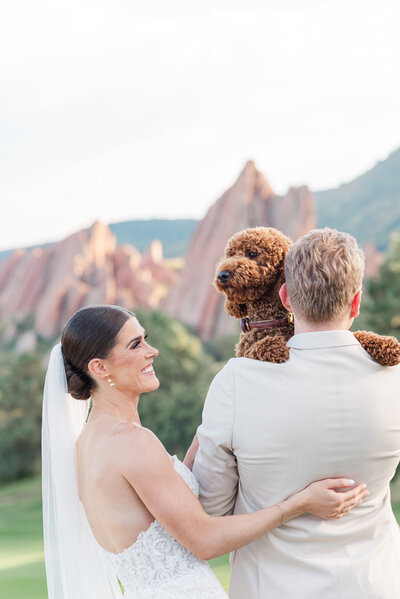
(84, 269)
(87, 268)
(249, 202)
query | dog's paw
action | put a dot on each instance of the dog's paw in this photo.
(269, 349)
(383, 350)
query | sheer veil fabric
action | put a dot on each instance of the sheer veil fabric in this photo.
(76, 566)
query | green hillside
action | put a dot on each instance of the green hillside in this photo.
(367, 207)
(173, 234)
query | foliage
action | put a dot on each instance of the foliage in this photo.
(21, 386)
(185, 371)
(223, 348)
(368, 207)
(380, 310)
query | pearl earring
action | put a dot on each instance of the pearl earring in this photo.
(110, 381)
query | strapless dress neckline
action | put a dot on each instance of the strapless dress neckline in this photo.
(194, 487)
(156, 566)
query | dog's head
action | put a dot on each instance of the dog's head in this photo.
(253, 266)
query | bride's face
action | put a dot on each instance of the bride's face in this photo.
(130, 362)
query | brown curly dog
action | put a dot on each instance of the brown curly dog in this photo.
(250, 275)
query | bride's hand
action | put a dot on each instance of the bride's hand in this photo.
(191, 453)
(327, 499)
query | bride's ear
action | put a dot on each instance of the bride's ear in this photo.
(97, 368)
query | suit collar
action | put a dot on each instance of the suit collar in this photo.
(322, 339)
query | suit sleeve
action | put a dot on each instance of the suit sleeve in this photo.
(215, 466)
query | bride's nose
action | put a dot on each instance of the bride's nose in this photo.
(152, 352)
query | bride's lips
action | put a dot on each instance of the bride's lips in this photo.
(148, 370)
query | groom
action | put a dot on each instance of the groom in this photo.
(269, 430)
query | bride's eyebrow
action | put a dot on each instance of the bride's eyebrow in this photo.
(136, 339)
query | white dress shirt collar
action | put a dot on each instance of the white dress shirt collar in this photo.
(322, 339)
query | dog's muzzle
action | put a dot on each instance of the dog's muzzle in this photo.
(224, 275)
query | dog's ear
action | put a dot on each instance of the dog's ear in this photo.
(235, 309)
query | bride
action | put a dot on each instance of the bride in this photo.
(115, 503)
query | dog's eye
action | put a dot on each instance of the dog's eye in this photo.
(252, 254)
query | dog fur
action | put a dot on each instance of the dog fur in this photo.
(255, 261)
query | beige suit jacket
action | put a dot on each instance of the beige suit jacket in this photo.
(269, 430)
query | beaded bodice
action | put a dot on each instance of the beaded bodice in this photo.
(157, 566)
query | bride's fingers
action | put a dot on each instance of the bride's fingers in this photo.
(337, 483)
(348, 495)
(349, 504)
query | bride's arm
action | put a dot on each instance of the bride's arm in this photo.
(170, 501)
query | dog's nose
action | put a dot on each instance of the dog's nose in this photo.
(224, 275)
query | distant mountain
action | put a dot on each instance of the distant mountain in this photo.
(4, 254)
(83, 269)
(367, 207)
(173, 234)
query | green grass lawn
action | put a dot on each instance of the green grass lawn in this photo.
(22, 574)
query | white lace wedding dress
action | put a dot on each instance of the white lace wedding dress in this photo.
(158, 567)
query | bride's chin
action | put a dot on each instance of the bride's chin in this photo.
(154, 384)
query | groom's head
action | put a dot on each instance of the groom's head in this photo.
(324, 272)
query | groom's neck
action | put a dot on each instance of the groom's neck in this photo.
(302, 326)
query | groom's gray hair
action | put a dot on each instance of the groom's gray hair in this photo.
(324, 270)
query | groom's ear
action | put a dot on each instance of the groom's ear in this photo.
(283, 294)
(278, 286)
(355, 305)
(235, 309)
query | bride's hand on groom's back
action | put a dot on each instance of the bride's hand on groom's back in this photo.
(327, 498)
(191, 453)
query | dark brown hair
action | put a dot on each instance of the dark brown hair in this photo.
(91, 333)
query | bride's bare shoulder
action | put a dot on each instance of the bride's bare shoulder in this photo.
(131, 440)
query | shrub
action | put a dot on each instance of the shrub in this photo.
(21, 388)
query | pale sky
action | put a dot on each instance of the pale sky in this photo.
(117, 110)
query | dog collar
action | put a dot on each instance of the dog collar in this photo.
(247, 324)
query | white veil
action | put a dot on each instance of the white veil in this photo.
(76, 566)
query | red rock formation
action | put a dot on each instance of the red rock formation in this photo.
(248, 203)
(84, 269)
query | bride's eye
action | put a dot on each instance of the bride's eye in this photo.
(137, 343)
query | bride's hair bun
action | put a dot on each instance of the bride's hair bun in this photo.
(91, 333)
(79, 384)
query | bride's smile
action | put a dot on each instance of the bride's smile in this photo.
(129, 364)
